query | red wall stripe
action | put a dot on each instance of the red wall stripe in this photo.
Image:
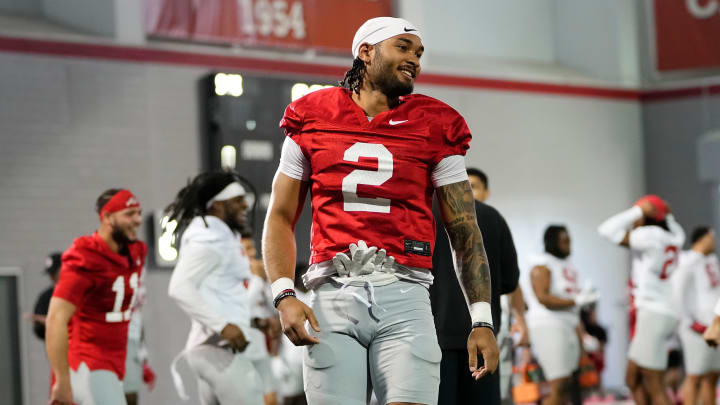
(214, 61)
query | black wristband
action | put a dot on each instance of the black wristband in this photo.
(283, 295)
(483, 325)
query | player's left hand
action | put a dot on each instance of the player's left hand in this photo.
(61, 393)
(149, 376)
(712, 333)
(482, 342)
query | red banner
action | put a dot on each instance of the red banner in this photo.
(687, 34)
(325, 25)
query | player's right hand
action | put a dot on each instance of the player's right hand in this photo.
(588, 295)
(233, 334)
(293, 314)
(61, 394)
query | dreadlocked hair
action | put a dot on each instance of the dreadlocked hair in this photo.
(353, 79)
(191, 201)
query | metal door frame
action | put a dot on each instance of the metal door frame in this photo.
(24, 335)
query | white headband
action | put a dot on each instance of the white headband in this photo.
(232, 190)
(379, 29)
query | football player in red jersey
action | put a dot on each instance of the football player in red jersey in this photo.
(373, 155)
(87, 323)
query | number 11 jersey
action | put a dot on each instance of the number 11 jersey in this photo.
(373, 180)
(102, 286)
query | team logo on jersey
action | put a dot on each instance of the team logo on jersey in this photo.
(417, 247)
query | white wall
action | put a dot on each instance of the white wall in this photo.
(547, 40)
(599, 38)
(565, 160)
(512, 29)
(672, 130)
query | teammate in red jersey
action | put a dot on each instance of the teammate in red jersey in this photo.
(373, 155)
(87, 324)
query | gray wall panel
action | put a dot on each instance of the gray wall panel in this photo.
(672, 129)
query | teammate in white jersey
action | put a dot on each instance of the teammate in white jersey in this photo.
(264, 319)
(697, 288)
(208, 283)
(554, 299)
(654, 239)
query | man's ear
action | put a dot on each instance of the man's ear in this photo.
(365, 52)
(218, 207)
(105, 218)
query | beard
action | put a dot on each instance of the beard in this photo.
(558, 253)
(236, 225)
(119, 236)
(385, 79)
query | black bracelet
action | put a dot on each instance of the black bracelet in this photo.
(284, 294)
(483, 325)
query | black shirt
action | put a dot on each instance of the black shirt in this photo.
(452, 318)
(41, 308)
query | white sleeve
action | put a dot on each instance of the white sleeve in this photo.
(292, 161)
(678, 234)
(449, 170)
(717, 308)
(194, 265)
(617, 226)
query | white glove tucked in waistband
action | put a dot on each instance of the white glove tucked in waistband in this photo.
(363, 260)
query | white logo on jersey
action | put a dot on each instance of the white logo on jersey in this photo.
(397, 122)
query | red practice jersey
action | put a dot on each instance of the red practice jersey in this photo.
(371, 180)
(102, 285)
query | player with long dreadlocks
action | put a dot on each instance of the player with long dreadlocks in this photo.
(208, 283)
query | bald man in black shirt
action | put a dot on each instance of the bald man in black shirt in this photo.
(452, 318)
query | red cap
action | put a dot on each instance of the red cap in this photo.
(661, 209)
(123, 199)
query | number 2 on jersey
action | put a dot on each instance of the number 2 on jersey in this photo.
(367, 177)
(117, 314)
(671, 253)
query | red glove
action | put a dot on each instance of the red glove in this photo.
(149, 376)
(698, 327)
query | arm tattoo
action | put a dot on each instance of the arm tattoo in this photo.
(458, 208)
